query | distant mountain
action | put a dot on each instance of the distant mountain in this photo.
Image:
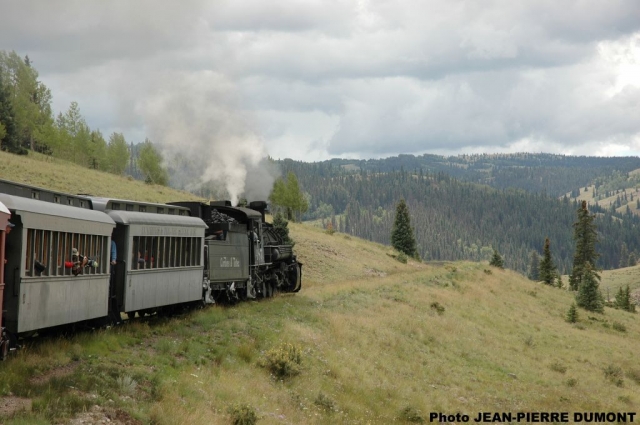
(549, 173)
(455, 219)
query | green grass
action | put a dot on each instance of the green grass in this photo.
(379, 341)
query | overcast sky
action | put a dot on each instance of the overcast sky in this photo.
(311, 80)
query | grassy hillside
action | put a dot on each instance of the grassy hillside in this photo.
(47, 172)
(622, 187)
(377, 342)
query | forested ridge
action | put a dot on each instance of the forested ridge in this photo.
(534, 172)
(456, 220)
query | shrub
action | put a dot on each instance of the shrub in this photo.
(558, 367)
(402, 257)
(284, 361)
(242, 414)
(437, 307)
(411, 414)
(572, 314)
(634, 375)
(619, 327)
(325, 402)
(329, 230)
(613, 374)
(571, 382)
(126, 385)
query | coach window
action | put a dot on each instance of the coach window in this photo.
(150, 252)
(115, 206)
(171, 211)
(142, 208)
(172, 252)
(160, 210)
(144, 264)
(167, 252)
(129, 207)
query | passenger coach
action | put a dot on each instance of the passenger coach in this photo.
(41, 290)
(159, 256)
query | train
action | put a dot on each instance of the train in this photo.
(58, 272)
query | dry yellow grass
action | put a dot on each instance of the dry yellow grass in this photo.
(374, 344)
(52, 173)
(377, 337)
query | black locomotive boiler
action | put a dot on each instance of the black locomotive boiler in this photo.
(245, 257)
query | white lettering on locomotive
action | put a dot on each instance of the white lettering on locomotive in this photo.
(229, 262)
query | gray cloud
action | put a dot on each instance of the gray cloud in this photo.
(318, 78)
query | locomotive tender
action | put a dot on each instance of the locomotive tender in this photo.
(168, 256)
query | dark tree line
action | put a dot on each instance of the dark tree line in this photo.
(454, 220)
(552, 174)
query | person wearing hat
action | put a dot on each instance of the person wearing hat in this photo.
(79, 261)
(10, 226)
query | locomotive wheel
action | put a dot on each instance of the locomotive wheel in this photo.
(269, 290)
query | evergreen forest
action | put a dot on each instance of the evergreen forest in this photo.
(456, 219)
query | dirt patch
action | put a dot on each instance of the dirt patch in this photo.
(100, 415)
(10, 405)
(58, 372)
(375, 272)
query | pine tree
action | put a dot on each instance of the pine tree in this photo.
(623, 299)
(589, 296)
(402, 237)
(496, 260)
(586, 237)
(624, 256)
(572, 314)
(548, 270)
(632, 259)
(281, 226)
(534, 266)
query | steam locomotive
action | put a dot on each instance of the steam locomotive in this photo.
(58, 271)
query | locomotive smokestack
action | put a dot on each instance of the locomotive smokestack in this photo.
(260, 206)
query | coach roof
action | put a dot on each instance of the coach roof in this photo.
(134, 217)
(27, 205)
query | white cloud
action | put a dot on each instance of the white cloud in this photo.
(313, 79)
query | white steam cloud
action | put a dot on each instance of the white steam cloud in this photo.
(207, 138)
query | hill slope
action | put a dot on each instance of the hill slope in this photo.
(52, 173)
(379, 341)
